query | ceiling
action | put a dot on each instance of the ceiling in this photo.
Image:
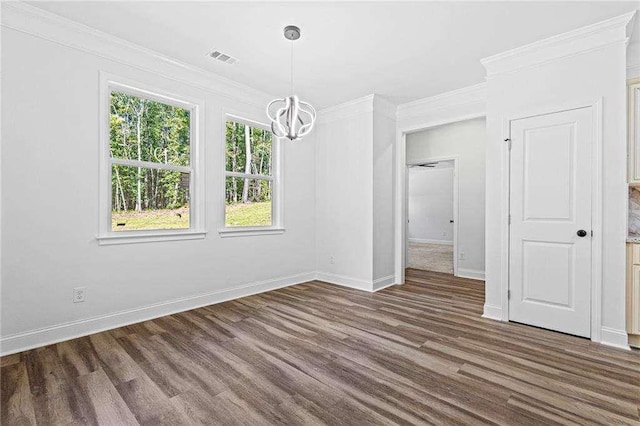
(401, 50)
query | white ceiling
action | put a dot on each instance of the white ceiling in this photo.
(403, 51)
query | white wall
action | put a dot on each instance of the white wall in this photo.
(344, 194)
(467, 140)
(50, 162)
(430, 205)
(354, 193)
(633, 57)
(384, 127)
(565, 72)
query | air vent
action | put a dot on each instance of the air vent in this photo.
(223, 57)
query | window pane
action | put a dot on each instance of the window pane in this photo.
(248, 202)
(259, 149)
(146, 130)
(143, 198)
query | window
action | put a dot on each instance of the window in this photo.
(150, 175)
(250, 177)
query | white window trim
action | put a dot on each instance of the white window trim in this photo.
(277, 219)
(196, 230)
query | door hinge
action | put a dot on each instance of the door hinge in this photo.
(508, 141)
(509, 220)
(508, 294)
(592, 232)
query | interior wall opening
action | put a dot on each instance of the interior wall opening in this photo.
(463, 145)
(430, 207)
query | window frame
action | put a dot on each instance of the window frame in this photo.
(106, 236)
(277, 226)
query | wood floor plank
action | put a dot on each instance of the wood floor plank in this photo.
(109, 407)
(78, 357)
(57, 397)
(223, 409)
(149, 404)
(542, 381)
(116, 362)
(317, 353)
(17, 403)
(9, 360)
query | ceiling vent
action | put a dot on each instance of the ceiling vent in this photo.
(223, 57)
(432, 164)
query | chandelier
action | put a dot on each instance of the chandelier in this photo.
(290, 117)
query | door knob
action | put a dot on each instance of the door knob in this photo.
(582, 233)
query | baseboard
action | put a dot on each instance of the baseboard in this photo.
(427, 241)
(615, 338)
(493, 312)
(345, 281)
(58, 333)
(383, 282)
(470, 273)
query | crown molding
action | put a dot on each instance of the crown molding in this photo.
(384, 107)
(365, 105)
(594, 36)
(347, 109)
(37, 22)
(476, 94)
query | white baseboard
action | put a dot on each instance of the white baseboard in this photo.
(493, 312)
(60, 332)
(383, 282)
(343, 280)
(356, 283)
(614, 337)
(474, 274)
(427, 241)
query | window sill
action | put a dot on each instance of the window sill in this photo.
(149, 237)
(249, 231)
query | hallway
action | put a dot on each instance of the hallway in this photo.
(431, 257)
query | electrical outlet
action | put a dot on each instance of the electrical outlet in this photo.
(331, 260)
(461, 256)
(79, 294)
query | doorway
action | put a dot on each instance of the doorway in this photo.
(431, 209)
(462, 142)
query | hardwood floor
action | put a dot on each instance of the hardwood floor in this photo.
(317, 353)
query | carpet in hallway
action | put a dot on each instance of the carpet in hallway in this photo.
(431, 257)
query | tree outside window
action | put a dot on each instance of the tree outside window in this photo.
(249, 182)
(150, 156)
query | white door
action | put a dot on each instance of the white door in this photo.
(550, 233)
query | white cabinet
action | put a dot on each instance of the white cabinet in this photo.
(633, 294)
(634, 131)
